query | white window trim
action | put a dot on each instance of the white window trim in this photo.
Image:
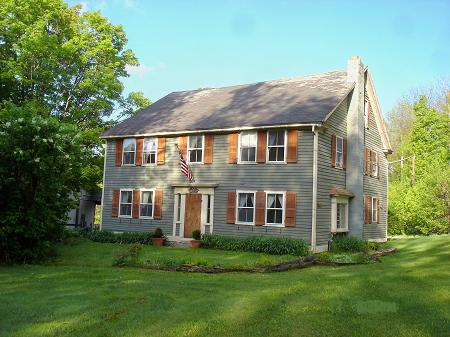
(182, 210)
(237, 208)
(153, 190)
(285, 148)
(334, 202)
(283, 204)
(341, 164)
(143, 152)
(204, 213)
(372, 209)
(239, 148)
(366, 113)
(123, 152)
(120, 203)
(188, 149)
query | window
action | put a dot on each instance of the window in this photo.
(146, 206)
(126, 201)
(149, 152)
(275, 208)
(129, 151)
(208, 210)
(374, 209)
(247, 147)
(339, 214)
(373, 164)
(276, 146)
(246, 207)
(339, 152)
(195, 149)
(178, 208)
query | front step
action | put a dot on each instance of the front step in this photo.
(174, 241)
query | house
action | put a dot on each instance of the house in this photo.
(84, 214)
(304, 157)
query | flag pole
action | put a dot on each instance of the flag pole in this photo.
(189, 166)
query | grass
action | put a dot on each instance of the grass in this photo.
(408, 294)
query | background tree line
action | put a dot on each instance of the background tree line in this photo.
(60, 87)
(419, 189)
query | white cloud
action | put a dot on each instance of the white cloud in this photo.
(140, 70)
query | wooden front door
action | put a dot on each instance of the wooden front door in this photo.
(192, 214)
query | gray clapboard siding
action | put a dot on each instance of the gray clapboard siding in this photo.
(376, 187)
(230, 177)
(329, 176)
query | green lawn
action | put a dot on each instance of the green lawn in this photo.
(407, 294)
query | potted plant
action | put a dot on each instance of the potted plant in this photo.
(158, 237)
(196, 236)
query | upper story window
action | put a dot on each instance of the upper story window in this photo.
(339, 152)
(129, 151)
(247, 147)
(149, 151)
(146, 204)
(275, 208)
(195, 148)
(126, 202)
(373, 164)
(276, 146)
(246, 207)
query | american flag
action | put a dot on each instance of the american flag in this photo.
(184, 167)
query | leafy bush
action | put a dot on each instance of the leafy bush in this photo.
(158, 233)
(111, 237)
(129, 257)
(349, 244)
(259, 244)
(196, 234)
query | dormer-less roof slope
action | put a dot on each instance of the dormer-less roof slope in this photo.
(301, 100)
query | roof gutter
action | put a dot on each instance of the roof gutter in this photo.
(243, 128)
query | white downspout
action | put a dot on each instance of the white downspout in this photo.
(103, 186)
(314, 187)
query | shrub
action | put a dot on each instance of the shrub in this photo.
(258, 244)
(122, 238)
(196, 234)
(158, 233)
(129, 257)
(349, 244)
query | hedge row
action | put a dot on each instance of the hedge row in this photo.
(111, 237)
(351, 244)
(258, 244)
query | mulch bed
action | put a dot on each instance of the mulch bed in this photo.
(300, 263)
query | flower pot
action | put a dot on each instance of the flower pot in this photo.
(158, 241)
(195, 244)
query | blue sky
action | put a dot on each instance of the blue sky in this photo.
(184, 45)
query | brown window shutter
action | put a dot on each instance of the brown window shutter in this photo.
(333, 150)
(260, 209)
(115, 203)
(136, 203)
(161, 153)
(378, 210)
(119, 145)
(378, 165)
(344, 153)
(139, 148)
(208, 156)
(291, 209)
(262, 147)
(157, 212)
(182, 145)
(231, 208)
(292, 143)
(233, 148)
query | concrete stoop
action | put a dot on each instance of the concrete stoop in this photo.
(173, 241)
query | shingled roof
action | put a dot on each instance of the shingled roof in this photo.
(300, 100)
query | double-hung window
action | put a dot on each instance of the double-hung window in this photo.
(374, 210)
(129, 151)
(339, 214)
(126, 202)
(276, 146)
(341, 221)
(339, 152)
(246, 207)
(146, 204)
(149, 151)
(275, 208)
(247, 147)
(373, 164)
(195, 148)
